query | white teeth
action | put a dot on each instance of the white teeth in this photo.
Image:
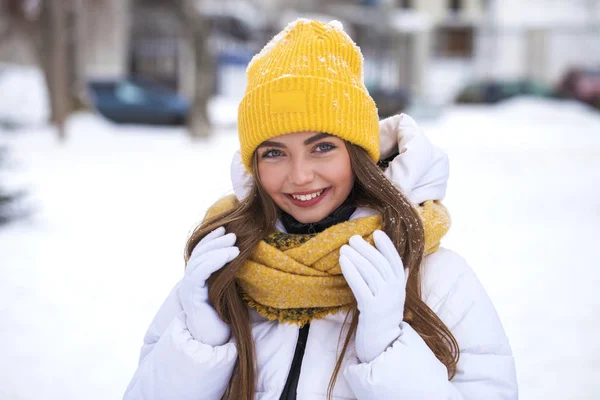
(306, 197)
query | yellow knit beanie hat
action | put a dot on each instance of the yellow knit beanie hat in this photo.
(307, 78)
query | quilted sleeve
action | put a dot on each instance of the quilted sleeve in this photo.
(175, 366)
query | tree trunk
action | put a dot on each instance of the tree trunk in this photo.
(54, 34)
(76, 39)
(58, 65)
(39, 33)
(196, 31)
(204, 78)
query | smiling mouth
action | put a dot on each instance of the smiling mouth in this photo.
(307, 196)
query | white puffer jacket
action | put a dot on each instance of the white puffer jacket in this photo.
(175, 366)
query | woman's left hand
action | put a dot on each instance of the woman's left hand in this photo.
(377, 278)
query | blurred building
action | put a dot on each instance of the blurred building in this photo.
(157, 47)
(538, 39)
(106, 38)
(101, 38)
(454, 24)
(448, 46)
(424, 47)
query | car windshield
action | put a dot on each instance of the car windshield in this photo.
(130, 93)
(149, 86)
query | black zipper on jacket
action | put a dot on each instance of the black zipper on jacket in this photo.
(291, 385)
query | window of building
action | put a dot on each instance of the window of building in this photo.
(455, 5)
(406, 4)
(454, 42)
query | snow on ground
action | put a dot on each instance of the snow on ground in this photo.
(524, 195)
(24, 95)
(81, 279)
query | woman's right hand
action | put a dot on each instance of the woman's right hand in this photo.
(211, 254)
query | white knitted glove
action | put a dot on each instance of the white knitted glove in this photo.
(378, 280)
(214, 251)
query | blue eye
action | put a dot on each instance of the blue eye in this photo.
(324, 147)
(272, 153)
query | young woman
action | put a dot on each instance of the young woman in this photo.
(323, 278)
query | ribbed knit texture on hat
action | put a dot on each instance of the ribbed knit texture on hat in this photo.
(307, 78)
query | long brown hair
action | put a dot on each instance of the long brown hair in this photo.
(255, 217)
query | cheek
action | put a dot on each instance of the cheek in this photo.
(346, 176)
(270, 178)
(345, 173)
(340, 174)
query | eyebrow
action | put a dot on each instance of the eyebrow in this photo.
(318, 136)
(308, 141)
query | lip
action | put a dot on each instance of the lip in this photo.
(306, 192)
(308, 203)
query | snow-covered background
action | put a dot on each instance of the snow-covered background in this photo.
(81, 278)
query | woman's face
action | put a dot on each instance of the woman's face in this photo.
(307, 174)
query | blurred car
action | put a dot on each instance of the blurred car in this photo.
(390, 101)
(138, 101)
(582, 85)
(490, 92)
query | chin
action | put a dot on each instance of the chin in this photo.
(305, 219)
(310, 217)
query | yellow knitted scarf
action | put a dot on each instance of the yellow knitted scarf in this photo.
(297, 278)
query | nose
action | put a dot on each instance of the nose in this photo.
(301, 172)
